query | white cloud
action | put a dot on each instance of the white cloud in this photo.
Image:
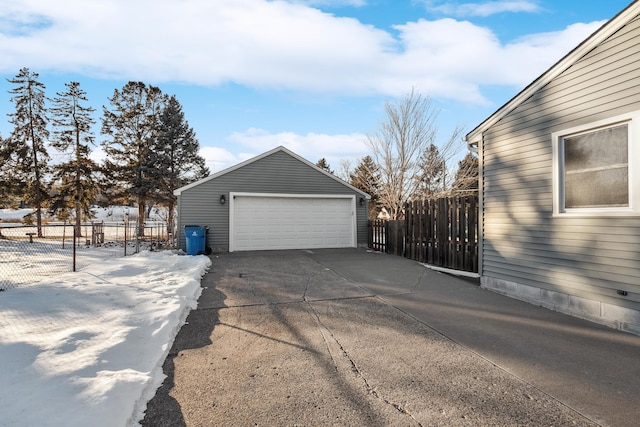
(267, 44)
(312, 146)
(331, 3)
(218, 158)
(488, 8)
(463, 67)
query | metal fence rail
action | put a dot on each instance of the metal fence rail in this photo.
(26, 258)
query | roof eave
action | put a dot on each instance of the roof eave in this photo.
(179, 191)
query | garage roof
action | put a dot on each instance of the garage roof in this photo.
(261, 156)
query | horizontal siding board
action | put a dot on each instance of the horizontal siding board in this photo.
(615, 78)
(591, 281)
(584, 226)
(532, 151)
(538, 195)
(568, 114)
(553, 277)
(622, 255)
(278, 173)
(566, 284)
(539, 187)
(604, 64)
(616, 49)
(552, 254)
(530, 175)
(514, 207)
(534, 232)
(591, 110)
(591, 257)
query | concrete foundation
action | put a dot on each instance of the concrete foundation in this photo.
(611, 315)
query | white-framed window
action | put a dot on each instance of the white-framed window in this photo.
(596, 168)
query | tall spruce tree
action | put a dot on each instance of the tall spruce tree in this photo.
(324, 165)
(6, 183)
(10, 191)
(366, 177)
(131, 126)
(25, 148)
(466, 181)
(176, 156)
(76, 187)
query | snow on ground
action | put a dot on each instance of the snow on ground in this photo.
(110, 213)
(14, 214)
(87, 348)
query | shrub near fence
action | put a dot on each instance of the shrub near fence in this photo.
(26, 258)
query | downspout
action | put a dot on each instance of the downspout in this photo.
(479, 150)
(477, 147)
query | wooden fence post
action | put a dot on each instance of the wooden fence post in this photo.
(442, 232)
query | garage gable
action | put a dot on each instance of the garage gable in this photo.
(276, 171)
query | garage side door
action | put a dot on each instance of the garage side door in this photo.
(287, 222)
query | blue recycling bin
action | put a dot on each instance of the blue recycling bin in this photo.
(195, 237)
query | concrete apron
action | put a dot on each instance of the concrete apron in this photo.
(349, 337)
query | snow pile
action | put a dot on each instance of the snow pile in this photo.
(87, 348)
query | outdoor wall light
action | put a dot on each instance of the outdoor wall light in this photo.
(361, 201)
(223, 199)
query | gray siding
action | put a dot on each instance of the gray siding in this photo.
(590, 257)
(275, 173)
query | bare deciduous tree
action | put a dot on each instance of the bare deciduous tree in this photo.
(406, 133)
(344, 170)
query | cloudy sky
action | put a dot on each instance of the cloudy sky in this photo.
(312, 75)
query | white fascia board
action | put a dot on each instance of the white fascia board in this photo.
(268, 153)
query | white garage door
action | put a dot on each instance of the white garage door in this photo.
(261, 222)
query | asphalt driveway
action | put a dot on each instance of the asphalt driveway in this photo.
(350, 337)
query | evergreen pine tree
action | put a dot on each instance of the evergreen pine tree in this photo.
(131, 126)
(366, 177)
(466, 181)
(6, 190)
(324, 165)
(25, 149)
(176, 156)
(76, 186)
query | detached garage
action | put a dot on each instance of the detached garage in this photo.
(277, 200)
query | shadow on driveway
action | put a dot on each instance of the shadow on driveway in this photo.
(350, 337)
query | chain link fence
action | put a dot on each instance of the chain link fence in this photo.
(27, 258)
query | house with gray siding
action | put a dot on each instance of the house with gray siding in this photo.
(277, 200)
(560, 183)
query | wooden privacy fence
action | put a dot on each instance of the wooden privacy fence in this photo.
(387, 236)
(440, 232)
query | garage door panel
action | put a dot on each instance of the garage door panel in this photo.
(292, 222)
